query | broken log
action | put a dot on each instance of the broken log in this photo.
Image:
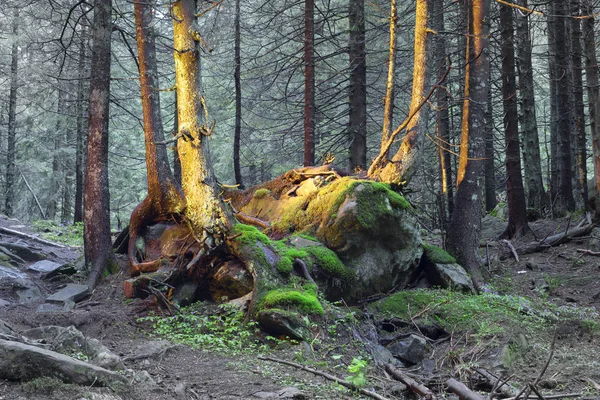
(413, 385)
(461, 390)
(30, 237)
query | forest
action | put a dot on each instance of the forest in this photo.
(326, 198)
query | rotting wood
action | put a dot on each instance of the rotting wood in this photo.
(512, 248)
(461, 390)
(30, 237)
(327, 376)
(413, 385)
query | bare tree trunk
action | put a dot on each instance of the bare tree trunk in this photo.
(176, 160)
(443, 120)
(564, 199)
(463, 240)
(237, 171)
(490, 164)
(591, 76)
(97, 243)
(517, 211)
(81, 132)
(388, 108)
(553, 184)
(309, 83)
(578, 108)
(357, 128)
(536, 194)
(12, 119)
(52, 206)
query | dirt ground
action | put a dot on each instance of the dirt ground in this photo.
(562, 275)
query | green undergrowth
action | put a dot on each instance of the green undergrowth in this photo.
(227, 331)
(437, 255)
(71, 235)
(485, 314)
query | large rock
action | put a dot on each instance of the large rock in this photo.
(23, 362)
(410, 350)
(71, 341)
(19, 285)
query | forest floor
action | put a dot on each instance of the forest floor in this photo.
(561, 277)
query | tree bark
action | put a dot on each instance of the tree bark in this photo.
(97, 242)
(463, 240)
(564, 195)
(309, 83)
(578, 108)
(357, 129)
(443, 119)
(237, 171)
(490, 163)
(517, 211)
(55, 194)
(554, 169)
(591, 76)
(80, 111)
(536, 194)
(388, 107)
(12, 119)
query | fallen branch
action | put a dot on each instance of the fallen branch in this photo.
(413, 385)
(327, 376)
(461, 390)
(551, 397)
(30, 237)
(512, 248)
(589, 252)
(552, 241)
(499, 385)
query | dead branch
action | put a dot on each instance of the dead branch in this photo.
(552, 241)
(30, 237)
(413, 385)
(326, 376)
(248, 220)
(551, 397)
(461, 390)
(500, 386)
(589, 252)
(512, 248)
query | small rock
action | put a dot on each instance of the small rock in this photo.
(399, 389)
(185, 294)
(451, 276)
(410, 350)
(4, 303)
(548, 384)
(55, 308)
(72, 291)
(279, 322)
(180, 389)
(291, 393)
(47, 269)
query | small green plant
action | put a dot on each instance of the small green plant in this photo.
(71, 235)
(358, 369)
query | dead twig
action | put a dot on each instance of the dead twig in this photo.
(512, 248)
(413, 385)
(327, 376)
(461, 390)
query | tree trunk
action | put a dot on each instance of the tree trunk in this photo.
(164, 195)
(81, 132)
(388, 107)
(97, 242)
(52, 206)
(12, 119)
(237, 171)
(517, 211)
(578, 108)
(176, 160)
(463, 240)
(490, 164)
(357, 129)
(536, 195)
(464, 128)
(443, 119)
(564, 195)
(591, 76)
(403, 165)
(309, 83)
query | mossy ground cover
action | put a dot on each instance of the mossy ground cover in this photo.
(437, 255)
(71, 235)
(484, 314)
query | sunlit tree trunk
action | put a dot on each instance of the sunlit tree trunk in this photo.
(357, 128)
(464, 128)
(388, 107)
(12, 119)
(517, 211)
(203, 210)
(237, 171)
(591, 76)
(403, 165)
(532, 165)
(463, 239)
(309, 83)
(97, 242)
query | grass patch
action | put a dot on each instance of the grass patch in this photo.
(71, 235)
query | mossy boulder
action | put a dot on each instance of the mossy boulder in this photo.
(443, 271)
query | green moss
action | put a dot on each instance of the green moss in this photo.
(330, 262)
(307, 237)
(250, 235)
(285, 266)
(260, 193)
(305, 301)
(437, 255)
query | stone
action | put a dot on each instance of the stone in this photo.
(185, 294)
(410, 350)
(180, 390)
(4, 303)
(232, 280)
(19, 284)
(70, 341)
(280, 322)
(450, 276)
(73, 292)
(48, 269)
(55, 307)
(23, 252)
(155, 349)
(23, 362)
